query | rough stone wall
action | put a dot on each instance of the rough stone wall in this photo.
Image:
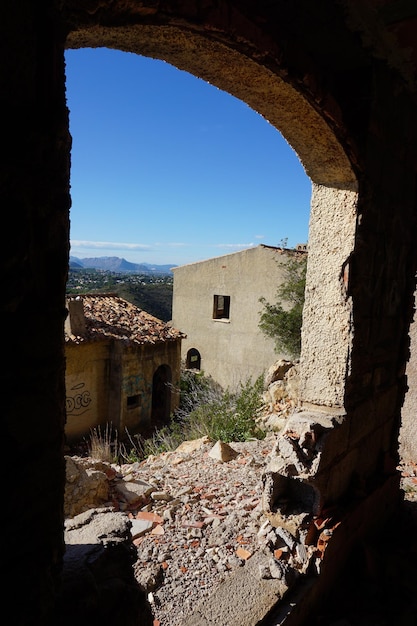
(408, 432)
(327, 314)
(323, 75)
(139, 366)
(383, 270)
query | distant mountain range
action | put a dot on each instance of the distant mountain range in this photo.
(115, 264)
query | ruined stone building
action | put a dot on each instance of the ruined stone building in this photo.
(217, 304)
(338, 79)
(122, 367)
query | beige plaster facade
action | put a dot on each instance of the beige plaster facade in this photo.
(228, 345)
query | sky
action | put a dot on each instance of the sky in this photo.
(167, 169)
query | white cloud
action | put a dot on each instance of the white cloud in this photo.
(234, 245)
(173, 244)
(109, 245)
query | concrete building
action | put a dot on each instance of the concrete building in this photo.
(122, 366)
(216, 303)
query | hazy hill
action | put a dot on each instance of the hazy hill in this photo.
(116, 264)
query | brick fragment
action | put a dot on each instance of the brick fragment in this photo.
(243, 554)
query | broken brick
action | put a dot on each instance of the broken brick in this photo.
(243, 554)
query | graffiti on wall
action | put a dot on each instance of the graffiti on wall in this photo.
(136, 384)
(79, 401)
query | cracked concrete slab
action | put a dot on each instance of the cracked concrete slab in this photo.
(244, 598)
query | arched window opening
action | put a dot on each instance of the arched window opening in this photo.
(193, 360)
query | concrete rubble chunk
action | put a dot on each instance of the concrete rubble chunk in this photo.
(277, 568)
(277, 371)
(302, 553)
(97, 526)
(134, 491)
(161, 495)
(98, 573)
(286, 458)
(297, 451)
(223, 452)
(245, 597)
(277, 391)
(287, 537)
(140, 527)
(188, 447)
(85, 488)
(275, 422)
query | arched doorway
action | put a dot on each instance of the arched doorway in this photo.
(161, 395)
(326, 160)
(328, 310)
(334, 184)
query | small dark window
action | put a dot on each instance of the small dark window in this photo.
(133, 401)
(221, 307)
(193, 361)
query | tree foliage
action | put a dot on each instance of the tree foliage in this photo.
(282, 320)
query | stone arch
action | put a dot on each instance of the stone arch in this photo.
(328, 311)
(334, 197)
(321, 154)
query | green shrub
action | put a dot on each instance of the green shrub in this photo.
(163, 440)
(196, 389)
(282, 320)
(232, 416)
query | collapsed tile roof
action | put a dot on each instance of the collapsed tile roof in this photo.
(108, 316)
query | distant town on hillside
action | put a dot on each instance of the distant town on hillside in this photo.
(149, 289)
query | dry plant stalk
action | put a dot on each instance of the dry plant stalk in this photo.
(103, 446)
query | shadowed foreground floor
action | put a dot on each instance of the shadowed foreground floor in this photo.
(382, 591)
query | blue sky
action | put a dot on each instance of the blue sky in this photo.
(167, 169)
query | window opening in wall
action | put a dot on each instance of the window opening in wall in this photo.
(133, 401)
(221, 307)
(193, 361)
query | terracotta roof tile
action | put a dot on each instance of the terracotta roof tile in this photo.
(108, 316)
